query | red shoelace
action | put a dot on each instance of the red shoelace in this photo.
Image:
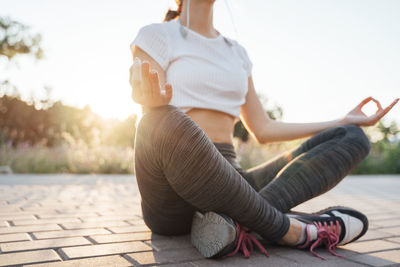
(246, 239)
(328, 234)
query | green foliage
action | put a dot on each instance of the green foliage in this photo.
(388, 131)
(78, 158)
(15, 39)
(384, 157)
(63, 139)
(58, 124)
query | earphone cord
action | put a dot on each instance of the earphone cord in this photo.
(231, 17)
(187, 14)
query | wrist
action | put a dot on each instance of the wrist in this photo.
(342, 121)
(144, 109)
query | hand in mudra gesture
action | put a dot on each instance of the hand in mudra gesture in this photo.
(356, 116)
(146, 89)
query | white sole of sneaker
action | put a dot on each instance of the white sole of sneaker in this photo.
(211, 233)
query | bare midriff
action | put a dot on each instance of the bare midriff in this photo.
(217, 125)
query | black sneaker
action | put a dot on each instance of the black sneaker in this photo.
(216, 235)
(335, 226)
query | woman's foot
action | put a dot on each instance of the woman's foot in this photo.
(332, 226)
(216, 235)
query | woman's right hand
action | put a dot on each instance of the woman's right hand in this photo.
(146, 89)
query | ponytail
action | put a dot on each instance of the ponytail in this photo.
(172, 14)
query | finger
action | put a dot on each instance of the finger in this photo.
(136, 92)
(135, 80)
(388, 108)
(131, 75)
(382, 113)
(377, 103)
(135, 73)
(146, 85)
(394, 102)
(155, 84)
(137, 77)
(168, 92)
(365, 101)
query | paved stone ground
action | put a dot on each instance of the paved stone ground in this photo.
(68, 220)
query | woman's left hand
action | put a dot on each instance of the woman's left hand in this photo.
(356, 116)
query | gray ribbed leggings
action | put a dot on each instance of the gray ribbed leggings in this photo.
(179, 170)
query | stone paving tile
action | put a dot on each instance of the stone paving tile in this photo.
(387, 223)
(28, 257)
(115, 261)
(126, 237)
(164, 257)
(384, 217)
(68, 215)
(134, 211)
(70, 233)
(31, 228)
(374, 234)
(42, 209)
(105, 249)
(19, 213)
(129, 229)
(109, 208)
(256, 260)
(17, 217)
(45, 221)
(14, 237)
(394, 239)
(304, 256)
(185, 264)
(371, 260)
(392, 255)
(41, 244)
(370, 246)
(393, 231)
(177, 242)
(85, 225)
(137, 222)
(10, 209)
(111, 218)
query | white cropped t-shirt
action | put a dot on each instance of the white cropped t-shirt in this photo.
(210, 73)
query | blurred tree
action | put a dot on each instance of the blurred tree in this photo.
(23, 123)
(15, 39)
(388, 131)
(384, 157)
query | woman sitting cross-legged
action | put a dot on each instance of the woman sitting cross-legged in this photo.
(193, 84)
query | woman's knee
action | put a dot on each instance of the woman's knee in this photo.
(357, 136)
(167, 132)
(157, 122)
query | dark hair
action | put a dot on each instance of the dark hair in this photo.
(172, 14)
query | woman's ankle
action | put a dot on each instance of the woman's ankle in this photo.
(295, 234)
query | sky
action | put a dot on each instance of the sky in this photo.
(315, 59)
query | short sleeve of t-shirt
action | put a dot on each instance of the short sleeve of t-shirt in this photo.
(154, 40)
(248, 65)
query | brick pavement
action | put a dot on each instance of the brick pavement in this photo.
(95, 220)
